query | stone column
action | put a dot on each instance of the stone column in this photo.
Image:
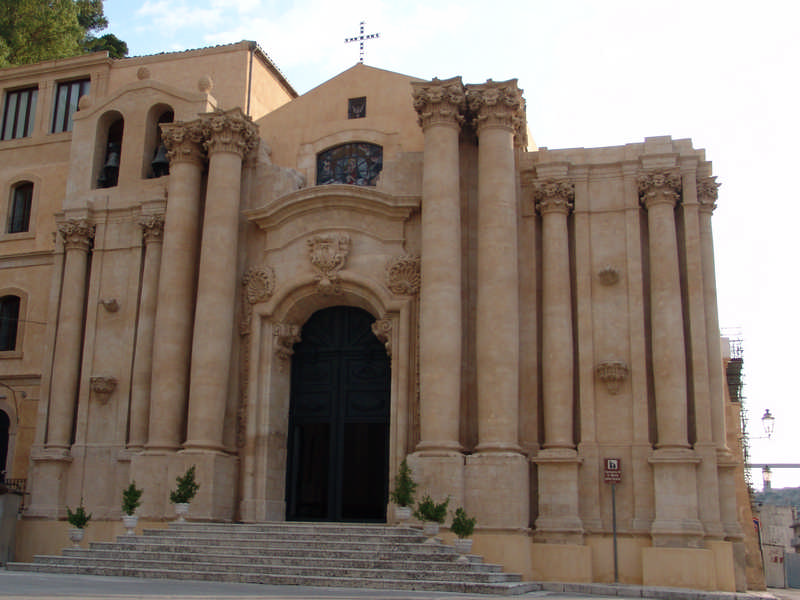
(172, 339)
(77, 235)
(229, 137)
(674, 465)
(559, 519)
(497, 467)
(153, 233)
(438, 462)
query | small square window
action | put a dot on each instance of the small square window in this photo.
(18, 114)
(357, 108)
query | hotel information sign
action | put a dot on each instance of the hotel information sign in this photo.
(613, 470)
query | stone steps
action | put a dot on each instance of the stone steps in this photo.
(328, 555)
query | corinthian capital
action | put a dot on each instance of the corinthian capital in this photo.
(76, 234)
(707, 191)
(439, 102)
(551, 195)
(497, 104)
(183, 141)
(231, 131)
(152, 228)
(657, 187)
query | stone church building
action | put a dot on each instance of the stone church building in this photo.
(199, 266)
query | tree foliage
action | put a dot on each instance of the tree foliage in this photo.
(36, 30)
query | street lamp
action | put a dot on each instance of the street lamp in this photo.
(766, 476)
(768, 422)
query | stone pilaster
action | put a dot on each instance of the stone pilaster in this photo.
(438, 462)
(229, 137)
(153, 234)
(77, 236)
(559, 519)
(172, 339)
(674, 465)
(497, 467)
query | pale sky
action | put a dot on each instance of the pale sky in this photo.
(595, 73)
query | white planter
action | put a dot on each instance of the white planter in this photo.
(430, 529)
(463, 547)
(75, 536)
(130, 522)
(181, 509)
(402, 513)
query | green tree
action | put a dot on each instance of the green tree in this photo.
(37, 30)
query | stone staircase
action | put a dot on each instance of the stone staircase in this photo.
(310, 554)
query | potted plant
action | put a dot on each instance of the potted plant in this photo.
(131, 499)
(403, 493)
(463, 526)
(78, 519)
(183, 494)
(432, 516)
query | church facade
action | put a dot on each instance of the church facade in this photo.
(295, 293)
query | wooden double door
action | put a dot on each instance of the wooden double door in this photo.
(338, 446)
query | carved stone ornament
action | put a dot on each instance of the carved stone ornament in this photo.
(258, 285)
(382, 328)
(608, 275)
(551, 195)
(183, 141)
(328, 254)
(612, 373)
(498, 104)
(439, 102)
(152, 228)
(286, 335)
(103, 387)
(403, 276)
(707, 193)
(231, 131)
(76, 233)
(658, 187)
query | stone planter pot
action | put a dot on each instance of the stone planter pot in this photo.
(402, 513)
(182, 509)
(76, 536)
(430, 529)
(463, 546)
(130, 522)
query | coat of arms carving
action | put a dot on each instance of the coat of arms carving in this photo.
(328, 254)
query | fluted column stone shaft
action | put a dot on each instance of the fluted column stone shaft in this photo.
(153, 233)
(172, 339)
(77, 235)
(554, 200)
(500, 110)
(659, 193)
(439, 104)
(229, 137)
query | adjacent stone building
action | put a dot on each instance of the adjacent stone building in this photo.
(294, 293)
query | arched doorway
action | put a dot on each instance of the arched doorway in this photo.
(338, 461)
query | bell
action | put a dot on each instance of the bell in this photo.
(110, 173)
(160, 164)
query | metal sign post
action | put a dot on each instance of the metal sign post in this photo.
(613, 474)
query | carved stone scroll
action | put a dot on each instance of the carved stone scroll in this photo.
(499, 104)
(183, 141)
(551, 195)
(707, 193)
(439, 102)
(659, 186)
(103, 387)
(231, 131)
(612, 373)
(328, 254)
(286, 335)
(77, 234)
(403, 275)
(152, 228)
(382, 328)
(258, 284)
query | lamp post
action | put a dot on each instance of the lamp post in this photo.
(766, 476)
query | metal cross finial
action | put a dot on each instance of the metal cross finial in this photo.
(360, 39)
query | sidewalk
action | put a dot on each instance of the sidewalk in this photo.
(30, 586)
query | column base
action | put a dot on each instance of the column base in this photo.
(217, 475)
(49, 467)
(494, 475)
(559, 520)
(676, 523)
(439, 473)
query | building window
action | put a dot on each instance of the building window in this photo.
(67, 96)
(357, 108)
(9, 317)
(18, 113)
(20, 214)
(357, 163)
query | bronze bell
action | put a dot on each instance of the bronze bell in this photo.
(160, 164)
(110, 173)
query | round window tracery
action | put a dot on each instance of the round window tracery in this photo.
(355, 163)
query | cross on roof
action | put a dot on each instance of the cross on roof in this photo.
(360, 39)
